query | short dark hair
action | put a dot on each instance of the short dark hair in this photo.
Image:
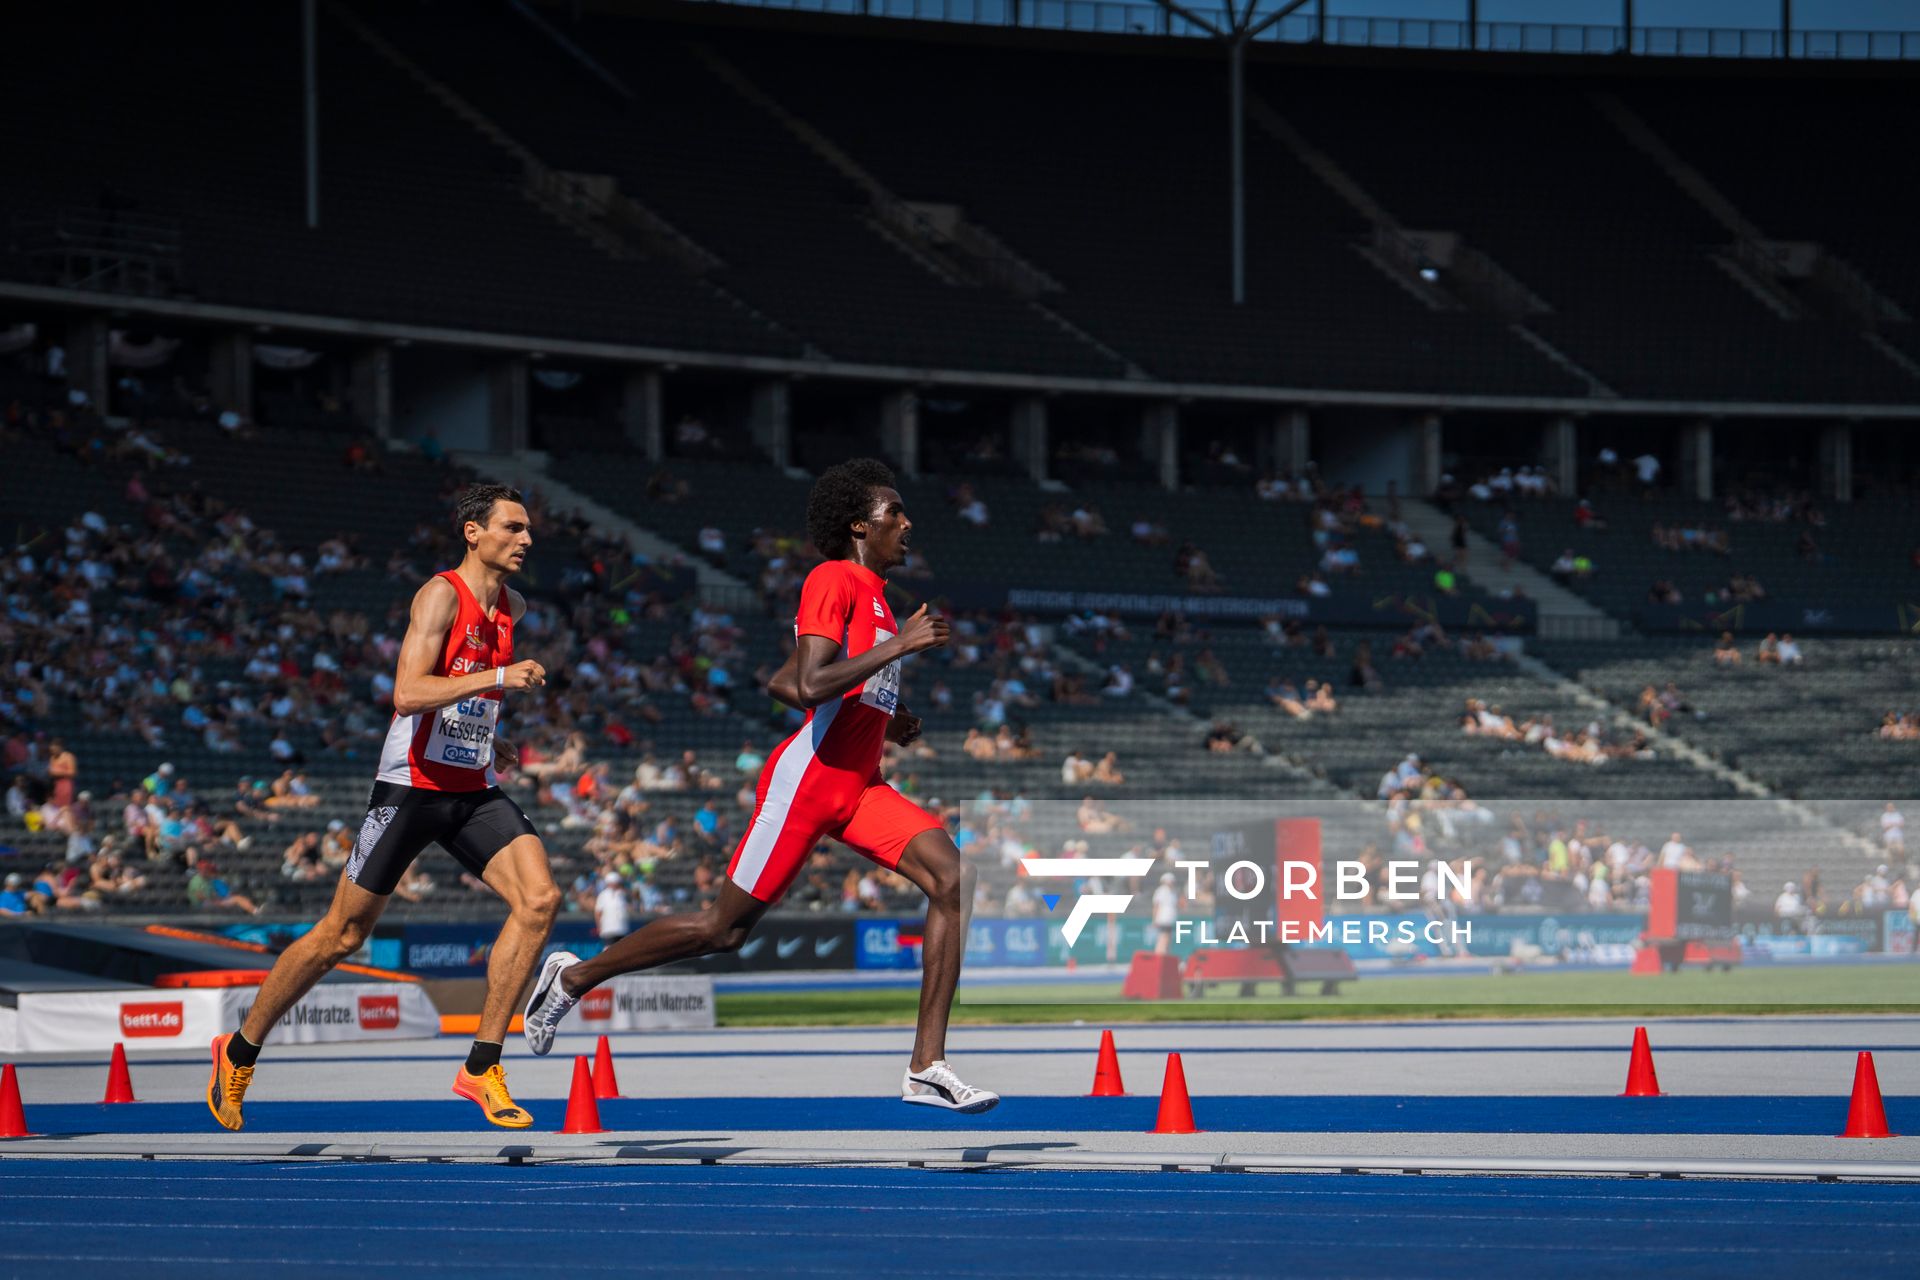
(475, 503)
(840, 496)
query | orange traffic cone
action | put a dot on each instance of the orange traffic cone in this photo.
(13, 1121)
(1866, 1115)
(1641, 1081)
(119, 1082)
(605, 1083)
(1106, 1072)
(1176, 1109)
(583, 1113)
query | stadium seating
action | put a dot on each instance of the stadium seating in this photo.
(1809, 730)
(422, 219)
(1860, 559)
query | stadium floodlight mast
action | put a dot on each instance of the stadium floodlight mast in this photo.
(1241, 28)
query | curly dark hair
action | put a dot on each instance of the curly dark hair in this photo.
(840, 496)
(475, 503)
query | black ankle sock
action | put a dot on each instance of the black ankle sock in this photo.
(241, 1052)
(483, 1057)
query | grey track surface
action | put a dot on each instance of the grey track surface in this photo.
(1764, 1056)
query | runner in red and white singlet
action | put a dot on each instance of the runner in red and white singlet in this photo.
(436, 784)
(451, 748)
(825, 781)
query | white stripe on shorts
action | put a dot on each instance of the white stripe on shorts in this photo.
(781, 789)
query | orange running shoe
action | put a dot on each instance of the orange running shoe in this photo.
(227, 1086)
(489, 1089)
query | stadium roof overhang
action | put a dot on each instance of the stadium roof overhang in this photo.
(287, 323)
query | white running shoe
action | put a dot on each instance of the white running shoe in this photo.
(548, 1004)
(937, 1086)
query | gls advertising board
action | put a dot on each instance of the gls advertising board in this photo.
(84, 1021)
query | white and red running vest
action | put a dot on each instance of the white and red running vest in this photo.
(451, 748)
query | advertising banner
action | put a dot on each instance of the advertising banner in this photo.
(648, 1002)
(340, 1011)
(781, 944)
(998, 943)
(461, 950)
(877, 945)
(1900, 933)
(1365, 609)
(92, 1021)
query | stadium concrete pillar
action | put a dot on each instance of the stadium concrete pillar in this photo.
(1696, 460)
(371, 393)
(1426, 454)
(770, 417)
(1029, 436)
(1289, 444)
(640, 413)
(87, 358)
(1836, 462)
(900, 428)
(507, 406)
(1160, 440)
(1559, 450)
(230, 371)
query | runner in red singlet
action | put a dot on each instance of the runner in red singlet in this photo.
(825, 781)
(436, 784)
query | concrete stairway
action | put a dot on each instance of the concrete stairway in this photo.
(1563, 615)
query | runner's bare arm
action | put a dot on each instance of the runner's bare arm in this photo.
(415, 687)
(821, 676)
(781, 684)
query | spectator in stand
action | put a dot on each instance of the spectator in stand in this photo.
(1790, 655)
(1790, 907)
(970, 507)
(1769, 651)
(1097, 820)
(13, 898)
(1166, 913)
(303, 862)
(1363, 675)
(1075, 769)
(206, 890)
(62, 769)
(1509, 530)
(1893, 831)
(1726, 653)
(1284, 695)
(612, 916)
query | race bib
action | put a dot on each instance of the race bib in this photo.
(462, 733)
(882, 688)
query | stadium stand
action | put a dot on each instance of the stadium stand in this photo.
(1855, 554)
(425, 220)
(223, 597)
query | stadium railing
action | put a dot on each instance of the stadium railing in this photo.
(1115, 18)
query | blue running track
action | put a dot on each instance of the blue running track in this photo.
(74, 1218)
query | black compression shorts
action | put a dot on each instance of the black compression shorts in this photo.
(402, 821)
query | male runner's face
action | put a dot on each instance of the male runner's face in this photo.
(502, 542)
(888, 531)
